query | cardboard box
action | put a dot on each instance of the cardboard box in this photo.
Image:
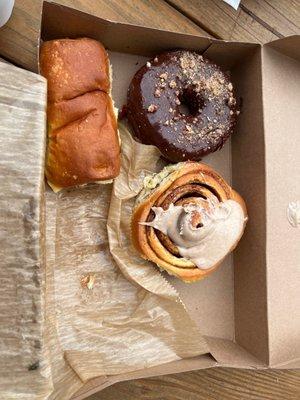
(249, 310)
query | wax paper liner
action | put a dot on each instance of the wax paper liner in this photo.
(76, 303)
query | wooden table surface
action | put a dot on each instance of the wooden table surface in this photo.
(255, 20)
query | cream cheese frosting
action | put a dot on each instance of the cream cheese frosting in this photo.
(293, 213)
(217, 229)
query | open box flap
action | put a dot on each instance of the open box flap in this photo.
(288, 46)
(175, 367)
(281, 99)
(230, 354)
(218, 51)
(130, 38)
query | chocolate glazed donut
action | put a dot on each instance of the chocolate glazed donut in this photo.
(183, 104)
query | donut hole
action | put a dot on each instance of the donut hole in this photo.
(184, 108)
(191, 102)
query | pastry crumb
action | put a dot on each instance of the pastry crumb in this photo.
(163, 75)
(88, 281)
(152, 108)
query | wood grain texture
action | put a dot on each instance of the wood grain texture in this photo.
(255, 20)
(272, 15)
(19, 37)
(210, 384)
(289, 9)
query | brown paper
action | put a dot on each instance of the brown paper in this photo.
(24, 369)
(116, 326)
(56, 331)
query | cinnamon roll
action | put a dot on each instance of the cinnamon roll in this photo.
(187, 219)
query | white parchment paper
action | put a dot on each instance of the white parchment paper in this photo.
(76, 301)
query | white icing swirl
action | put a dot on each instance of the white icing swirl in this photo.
(293, 213)
(219, 226)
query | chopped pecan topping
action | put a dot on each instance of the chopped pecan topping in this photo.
(152, 108)
(163, 76)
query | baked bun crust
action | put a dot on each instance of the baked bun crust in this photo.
(73, 67)
(83, 144)
(184, 185)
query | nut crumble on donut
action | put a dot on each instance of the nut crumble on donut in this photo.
(194, 109)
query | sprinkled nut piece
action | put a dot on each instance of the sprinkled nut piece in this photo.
(148, 64)
(152, 108)
(87, 281)
(172, 84)
(188, 128)
(163, 76)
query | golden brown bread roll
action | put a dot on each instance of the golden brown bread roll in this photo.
(83, 144)
(74, 67)
(187, 219)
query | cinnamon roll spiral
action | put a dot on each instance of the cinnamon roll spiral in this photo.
(187, 219)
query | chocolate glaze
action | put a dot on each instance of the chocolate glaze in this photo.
(155, 111)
